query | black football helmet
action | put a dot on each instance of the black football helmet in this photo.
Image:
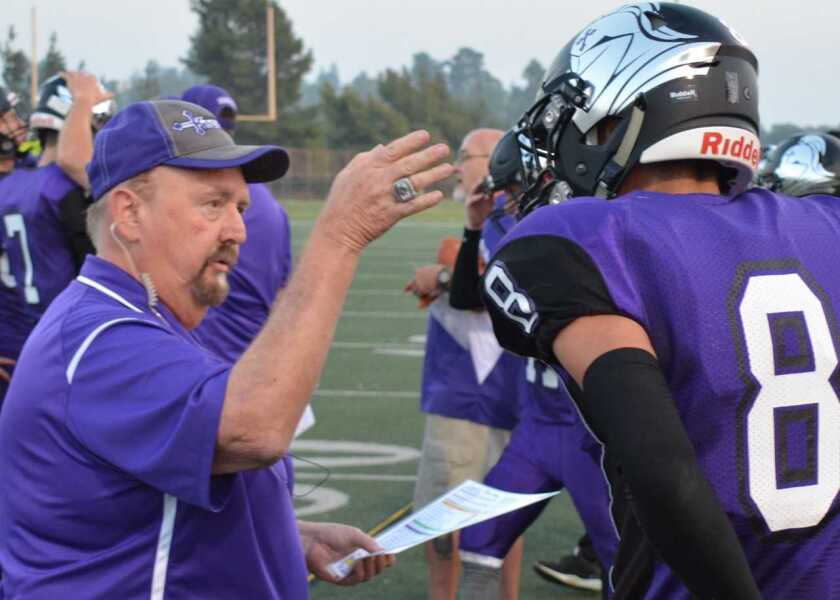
(517, 170)
(807, 163)
(54, 102)
(648, 82)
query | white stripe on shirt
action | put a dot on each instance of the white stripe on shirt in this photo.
(167, 525)
(108, 292)
(74, 362)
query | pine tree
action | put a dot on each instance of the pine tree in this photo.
(16, 70)
(357, 123)
(521, 98)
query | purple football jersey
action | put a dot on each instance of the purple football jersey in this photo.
(544, 396)
(265, 262)
(739, 297)
(107, 440)
(35, 260)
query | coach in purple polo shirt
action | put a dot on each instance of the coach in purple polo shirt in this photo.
(137, 464)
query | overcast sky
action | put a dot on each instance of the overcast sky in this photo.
(797, 43)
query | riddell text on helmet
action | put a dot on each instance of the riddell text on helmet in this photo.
(719, 144)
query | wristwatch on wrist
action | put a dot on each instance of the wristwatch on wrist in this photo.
(444, 279)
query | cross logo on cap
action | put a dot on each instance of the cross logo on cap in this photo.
(198, 123)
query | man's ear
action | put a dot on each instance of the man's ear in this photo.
(125, 207)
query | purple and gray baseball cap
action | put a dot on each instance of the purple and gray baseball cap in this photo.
(215, 99)
(145, 135)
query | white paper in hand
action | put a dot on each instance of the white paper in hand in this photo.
(465, 505)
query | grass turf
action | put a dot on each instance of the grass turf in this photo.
(375, 355)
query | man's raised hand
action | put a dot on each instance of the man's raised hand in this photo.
(361, 205)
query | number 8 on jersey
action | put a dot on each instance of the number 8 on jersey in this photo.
(792, 438)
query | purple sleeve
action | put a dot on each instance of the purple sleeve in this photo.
(147, 402)
(56, 186)
(269, 240)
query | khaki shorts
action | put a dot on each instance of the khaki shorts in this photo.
(455, 450)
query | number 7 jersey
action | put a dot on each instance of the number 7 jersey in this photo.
(35, 261)
(740, 298)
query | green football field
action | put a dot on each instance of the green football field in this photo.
(369, 426)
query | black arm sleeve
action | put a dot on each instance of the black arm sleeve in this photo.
(464, 291)
(71, 211)
(627, 404)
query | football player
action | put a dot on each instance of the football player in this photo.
(12, 134)
(43, 240)
(694, 322)
(804, 164)
(12, 131)
(547, 419)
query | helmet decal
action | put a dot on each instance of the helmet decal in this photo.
(803, 161)
(804, 164)
(630, 51)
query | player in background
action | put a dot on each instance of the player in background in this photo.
(547, 419)
(12, 131)
(802, 165)
(42, 227)
(263, 268)
(695, 322)
(265, 259)
(465, 393)
(12, 135)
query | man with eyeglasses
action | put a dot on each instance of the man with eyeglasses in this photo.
(466, 385)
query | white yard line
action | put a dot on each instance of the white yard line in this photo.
(409, 352)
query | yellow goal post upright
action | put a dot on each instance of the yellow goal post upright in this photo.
(271, 74)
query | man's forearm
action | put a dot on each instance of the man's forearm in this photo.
(465, 292)
(75, 143)
(270, 385)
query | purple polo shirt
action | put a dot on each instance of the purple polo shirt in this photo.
(265, 261)
(107, 439)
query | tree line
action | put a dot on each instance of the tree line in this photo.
(448, 97)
